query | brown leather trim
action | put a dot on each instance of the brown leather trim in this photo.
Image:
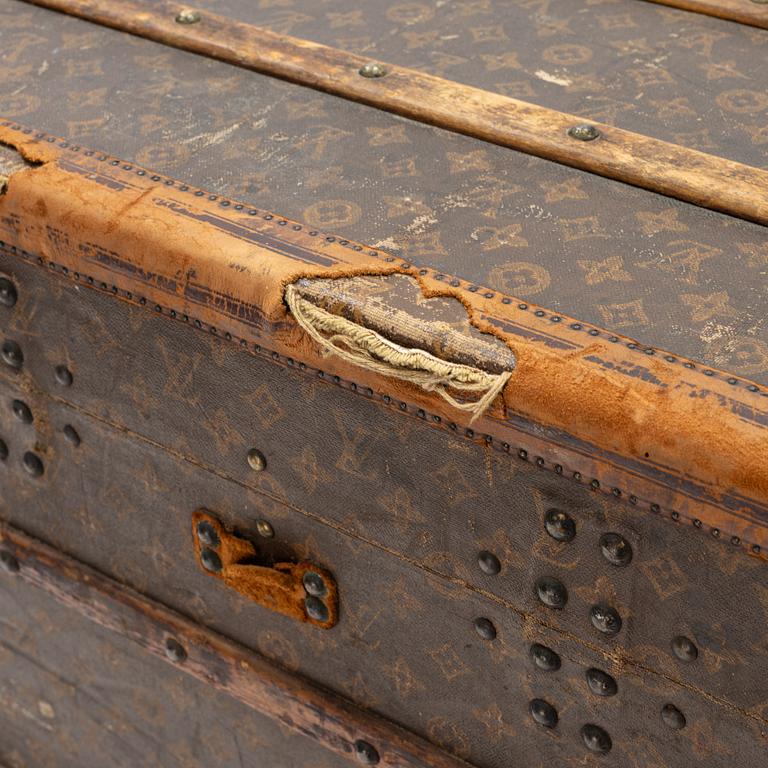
(751, 12)
(668, 433)
(686, 174)
(334, 723)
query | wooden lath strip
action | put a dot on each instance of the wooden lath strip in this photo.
(686, 174)
(751, 12)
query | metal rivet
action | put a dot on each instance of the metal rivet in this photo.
(560, 526)
(188, 17)
(673, 717)
(33, 464)
(256, 460)
(596, 739)
(605, 620)
(314, 584)
(545, 658)
(3, 450)
(684, 648)
(70, 433)
(616, 549)
(8, 562)
(366, 753)
(485, 628)
(316, 608)
(211, 561)
(12, 355)
(8, 295)
(543, 713)
(552, 592)
(207, 534)
(489, 563)
(601, 683)
(265, 529)
(21, 411)
(63, 376)
(373, 69)
(174, 650)
(584, 132)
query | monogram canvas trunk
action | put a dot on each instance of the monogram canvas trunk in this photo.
(383, 384)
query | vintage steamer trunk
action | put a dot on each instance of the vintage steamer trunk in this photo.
(294, 470)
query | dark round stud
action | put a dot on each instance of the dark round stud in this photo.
(545, 658)
(685, 649)
(551, 592)
(596, 739)
(174, 650)
(256, 460)
(72, 436)
(605, 620)
(601, 683)
(673, 717)
(584, 132)
(21, 411)
(560, 526)
(3, 450)
(373, 69)
(485, 628)
(33, 464)
(314, 584)
(63, 376)
(8, 295)
(489, 563)
(8, 562)
(616, 549)
(12, 355)
(316, 608)
(543, 713)
(211, 561)
(207, 534)
(366, 753)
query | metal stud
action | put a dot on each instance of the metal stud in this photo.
(3, 450)
(12, 355)
(485, 628)
(605, 620)
(265, 529)
(8, 295)
(596, 739)
(543, 713)
(71, 435)
(373, 69)
(188, 16)
(673, 717)
(316, 608)
(8, 562)
(552, 592)
(545, 658)
(366, 753)
(584, 132)
(559, 525)
(63, 376)
(616, 549)
(489, 563)
(211, 561)
(174, 650)
(256, 460)
(601, 683)
(207, 534)
(314, 584)
(33, 464)
(22, 411)
(685, 649)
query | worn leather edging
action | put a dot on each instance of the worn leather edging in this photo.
(751, 12)
(661, 431)
(686, 174)
(334, 723)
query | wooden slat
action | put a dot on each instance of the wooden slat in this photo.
(751, 12)
(679, 172)
(333, 722)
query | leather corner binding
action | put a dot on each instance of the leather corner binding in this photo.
(666, 433)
